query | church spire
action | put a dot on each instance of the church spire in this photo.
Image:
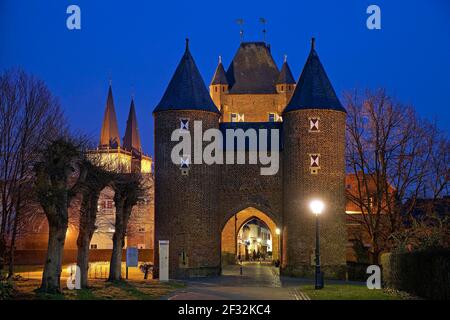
(131, 140)
(109, 137)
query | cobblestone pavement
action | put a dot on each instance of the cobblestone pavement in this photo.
(257, 282)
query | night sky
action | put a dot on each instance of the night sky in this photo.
(139, 43)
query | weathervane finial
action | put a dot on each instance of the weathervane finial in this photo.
(263, 21)
(240, 22)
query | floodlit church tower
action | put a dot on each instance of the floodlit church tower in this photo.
(186, 193)
(313, 167)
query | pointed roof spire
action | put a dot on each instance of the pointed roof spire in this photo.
(285, 76)
(219, 76)
(186, 89)
(132, 140)
(314, 89)
(109, 136)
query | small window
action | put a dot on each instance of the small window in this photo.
(236, 117)
(314, 165)
(215, 89)
(93, 246)
(314, 124)
(184, 162)
(282, 88)
(184, 124)
(109, 204)
(272, 117)
(141, 229)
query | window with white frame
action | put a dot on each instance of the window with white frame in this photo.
(314, 124)
(236, 117)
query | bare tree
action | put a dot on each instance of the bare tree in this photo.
(128, 190)
(29, 116)
(390, 152)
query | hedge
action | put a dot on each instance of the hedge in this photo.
(421, 273)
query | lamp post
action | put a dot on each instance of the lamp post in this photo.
(278, 232)
(316, 207)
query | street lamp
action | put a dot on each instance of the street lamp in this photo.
(316, 207)
(278, 233)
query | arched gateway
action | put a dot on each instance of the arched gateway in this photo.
(296, 133)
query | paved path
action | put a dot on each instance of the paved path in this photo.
(257, 282)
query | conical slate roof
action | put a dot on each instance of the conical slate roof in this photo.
(314, 89)
(252, 70)
(131, 140)
(186, 89)
(109, 136)
(285, 76)
(219, 76)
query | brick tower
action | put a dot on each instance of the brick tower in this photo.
(186, 194)
(313, 167)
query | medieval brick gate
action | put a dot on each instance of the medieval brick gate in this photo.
(195, 201)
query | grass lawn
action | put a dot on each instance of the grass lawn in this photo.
(350, 292)
(99, 290)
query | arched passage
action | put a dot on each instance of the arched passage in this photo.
(233, 226)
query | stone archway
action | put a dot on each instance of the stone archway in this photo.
(231, 228)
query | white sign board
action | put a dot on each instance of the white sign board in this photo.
(163, 260)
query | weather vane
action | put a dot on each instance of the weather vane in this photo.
(263, 21)
(240, 22)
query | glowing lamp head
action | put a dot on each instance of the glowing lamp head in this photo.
(277, 231)
(316, 206)
(259, 240)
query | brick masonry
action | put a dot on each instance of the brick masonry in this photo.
(195, 211)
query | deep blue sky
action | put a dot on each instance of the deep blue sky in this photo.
(139, 44)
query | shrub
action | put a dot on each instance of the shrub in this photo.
(424, 273)
(6, 290)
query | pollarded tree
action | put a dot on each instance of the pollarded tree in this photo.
(59, 160)
(128, 190)
(97, 178)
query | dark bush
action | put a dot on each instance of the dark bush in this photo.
(6, 290)
(422, 273)
(357, 271)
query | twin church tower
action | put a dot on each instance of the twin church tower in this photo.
(193, 202)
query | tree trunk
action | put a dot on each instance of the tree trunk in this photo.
(86, 231)
(12, 250)
(115, 266)
(52, 270)
(83, 242)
